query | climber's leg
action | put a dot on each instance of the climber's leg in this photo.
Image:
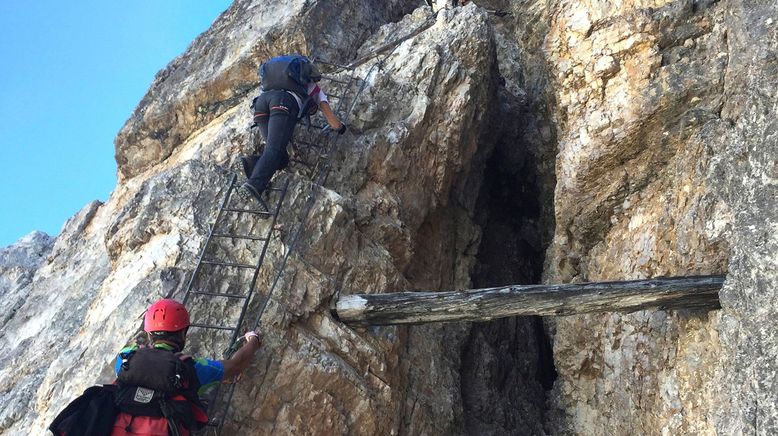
(277, 129)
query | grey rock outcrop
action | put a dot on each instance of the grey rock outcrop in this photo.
(383, 221)
(219, 69)
(744, 175)
(18, 263)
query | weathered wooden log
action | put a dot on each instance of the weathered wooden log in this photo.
(699, 292)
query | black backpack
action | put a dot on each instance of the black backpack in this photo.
(91, 414)
(159, 383)
(151, 382)
(158, 369)
(290, 72)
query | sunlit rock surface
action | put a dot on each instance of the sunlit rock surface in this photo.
(513, 141)
(401, 185)
(18, 263)
(663, 169)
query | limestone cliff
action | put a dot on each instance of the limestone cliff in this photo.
(513, 141)
(653, 100)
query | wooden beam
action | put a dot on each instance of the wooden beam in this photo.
(698, 292)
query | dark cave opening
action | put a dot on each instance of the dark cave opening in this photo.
(507, 365)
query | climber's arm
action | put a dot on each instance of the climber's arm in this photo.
(332, 120)
(242, 358)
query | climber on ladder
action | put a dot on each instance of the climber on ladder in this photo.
(157, 388)
(289, 93)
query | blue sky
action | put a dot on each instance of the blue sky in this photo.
(70, 76)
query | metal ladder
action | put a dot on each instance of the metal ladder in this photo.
(224, 228)
(312, 141)
(228, 207)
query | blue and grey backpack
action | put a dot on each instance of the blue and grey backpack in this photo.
(290, 72)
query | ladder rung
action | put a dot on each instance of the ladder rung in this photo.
(218, 294)
(212, 326)
(236, 265)
(254, 211)
(215, 422)
(332, 79)
(308, 143)
(224, 235)
(302, 162)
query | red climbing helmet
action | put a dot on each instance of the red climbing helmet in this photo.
(166, 316)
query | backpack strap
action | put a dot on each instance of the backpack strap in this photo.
(303, 112)
(170, 415)
(125, 356)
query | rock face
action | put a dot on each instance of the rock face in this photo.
(512, 141)
(219, 69)
(18, 264)
(640, 89)
(744, 176)
(650, 100)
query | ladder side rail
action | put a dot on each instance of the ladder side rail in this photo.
(230, 393)
(253, 286)
(344, 91)
(321, 177)
(214, 402)
(210, 235)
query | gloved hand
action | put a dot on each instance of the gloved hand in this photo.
(343, 128)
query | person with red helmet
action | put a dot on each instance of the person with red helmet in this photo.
(157, 389)
(148, 372)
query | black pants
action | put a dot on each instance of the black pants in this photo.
(275, 113)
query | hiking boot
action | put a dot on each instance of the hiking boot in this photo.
(257, 196)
